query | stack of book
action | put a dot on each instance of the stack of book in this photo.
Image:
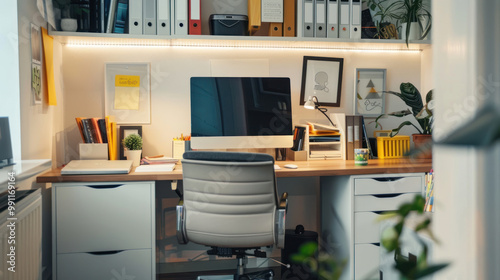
(96, 130)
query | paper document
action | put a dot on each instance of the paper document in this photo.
(155, 168)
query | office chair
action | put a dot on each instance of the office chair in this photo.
(230, 203)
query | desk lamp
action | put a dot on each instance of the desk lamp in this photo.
(313, 103)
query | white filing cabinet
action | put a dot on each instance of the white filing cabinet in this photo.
(351, 207)
(103, 230)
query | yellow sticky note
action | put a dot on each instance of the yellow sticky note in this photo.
(126, 98)
(48, 54)
(127, 81)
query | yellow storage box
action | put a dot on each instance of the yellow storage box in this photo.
(393, 147)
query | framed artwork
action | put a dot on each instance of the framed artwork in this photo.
(126, 131)
(127, 92)
(322, 77)
(370, 92)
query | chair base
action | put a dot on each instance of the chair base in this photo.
(258, 275)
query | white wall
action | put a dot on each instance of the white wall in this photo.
(171, 68)
(9, 55)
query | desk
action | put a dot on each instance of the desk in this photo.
(348, 202)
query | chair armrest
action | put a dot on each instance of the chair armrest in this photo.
(280, 221)
(181, 223)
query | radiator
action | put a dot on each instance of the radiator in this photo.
(27, 236)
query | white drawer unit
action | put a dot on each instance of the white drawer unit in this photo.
(103, 227)
(351, 210)
(372, 197)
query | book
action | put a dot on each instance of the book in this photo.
(87, 131)
(102, 129)
(95, 130)
(155, 168)
(158, 160)
(120, 23)
(80, 128)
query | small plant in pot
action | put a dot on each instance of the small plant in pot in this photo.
(133, 146)
(415, 19)
(423, 114)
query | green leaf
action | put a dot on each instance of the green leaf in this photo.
(429, 96)
(308, 249)
(430, 269)
(401, 113)
(395, 131)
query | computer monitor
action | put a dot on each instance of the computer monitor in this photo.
(240, 113)
(6, 157)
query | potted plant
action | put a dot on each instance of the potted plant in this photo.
(422, 113)
(133, 148)
(415, 19)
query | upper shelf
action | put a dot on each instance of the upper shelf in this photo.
(112, 39)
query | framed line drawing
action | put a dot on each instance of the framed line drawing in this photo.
(127, 92)
(126, 131)
(322, 77)
(369, 98)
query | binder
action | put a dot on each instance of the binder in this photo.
(289, 19)
(135, 17)
(355, 23)
(349, 123)
(320, 19)
(358, 132)
(275, 29)
(149, 17)
(254, 20)
(272, 12)
(332, 19)
(194, 17)
(308, 18)
(163, 17)
(180, 17)
(344, 19)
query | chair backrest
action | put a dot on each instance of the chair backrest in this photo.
(230, 199)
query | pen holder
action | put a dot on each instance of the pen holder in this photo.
(179, 147)
(93, 151)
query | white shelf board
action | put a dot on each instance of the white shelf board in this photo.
(110, 39)
(324, 143)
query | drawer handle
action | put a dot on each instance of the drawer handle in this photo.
(388, 195)
(104, 186)
(388, 179)
(105, 253)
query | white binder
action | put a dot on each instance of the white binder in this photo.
(149, 17)
(320, 26)
(332, 22)
(135, 17)
(181, 17)
(163, 17)
(355, 23)
(308, 18)
(344, 21)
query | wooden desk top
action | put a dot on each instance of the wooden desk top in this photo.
(305, 169)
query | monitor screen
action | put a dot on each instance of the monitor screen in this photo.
(6, 157)
(231, 112)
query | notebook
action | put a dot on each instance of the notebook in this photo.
(79, 167)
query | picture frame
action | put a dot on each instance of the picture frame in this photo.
(369, 96)
(322, 77)
(128, 92)
(126, 131)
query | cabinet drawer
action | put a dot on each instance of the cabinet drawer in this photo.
(367, 227)
(129, 264)
(385, 185)
(103, 217)
(374, 203)
(366, 261)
